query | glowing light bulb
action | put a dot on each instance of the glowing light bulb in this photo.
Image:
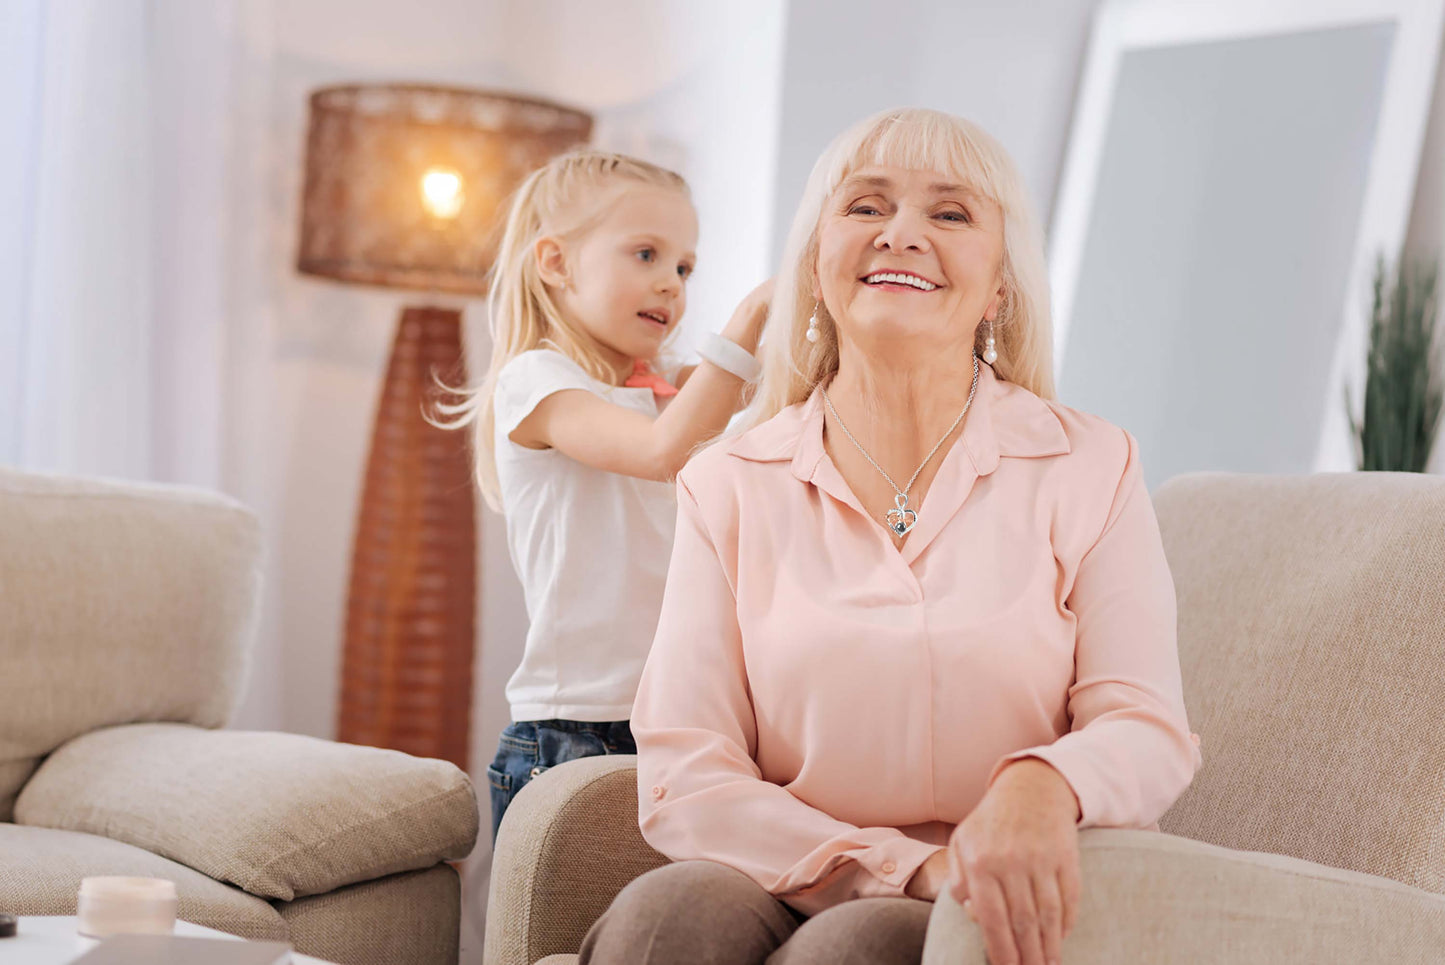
(441, 192)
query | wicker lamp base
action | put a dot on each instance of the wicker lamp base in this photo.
(406, 680)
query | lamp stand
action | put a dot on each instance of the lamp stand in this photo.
(406, 679)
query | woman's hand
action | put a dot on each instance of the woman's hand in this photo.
(746, 325)
(930, 877)
(1016, 861)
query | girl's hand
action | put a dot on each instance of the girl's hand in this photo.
(746, 325)
(1016, 861)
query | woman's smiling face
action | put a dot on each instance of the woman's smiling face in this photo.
(908, 254)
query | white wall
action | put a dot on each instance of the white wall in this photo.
(1009, 65)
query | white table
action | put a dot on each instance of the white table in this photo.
(51, 940)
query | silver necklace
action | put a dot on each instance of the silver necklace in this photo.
(901, 518)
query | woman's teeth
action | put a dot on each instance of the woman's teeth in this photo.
(894, 278)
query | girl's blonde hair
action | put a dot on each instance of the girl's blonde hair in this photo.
(922, 140)
(562, 199)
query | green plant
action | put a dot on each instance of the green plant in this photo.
(1403, 384)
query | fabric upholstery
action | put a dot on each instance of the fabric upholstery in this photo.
(279, 815)
(1311, 638)
(119, 602)
(1151, 897)
(40, 872)
(406, 919)
(568, 844)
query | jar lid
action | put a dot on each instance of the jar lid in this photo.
(142, 889)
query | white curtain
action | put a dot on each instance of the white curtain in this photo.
(112, 188)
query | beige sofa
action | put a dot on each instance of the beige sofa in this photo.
(125, 617)
(1312, 643)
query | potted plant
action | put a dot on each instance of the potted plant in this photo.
(1404, 388)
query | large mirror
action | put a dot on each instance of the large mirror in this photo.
(1231, 176)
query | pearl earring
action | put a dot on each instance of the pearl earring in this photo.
(990, 354)
(813, 333)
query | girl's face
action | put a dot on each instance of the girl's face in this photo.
(945, 238)
(624, 280)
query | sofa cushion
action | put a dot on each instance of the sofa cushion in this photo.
(279, 815)
(40, 872)
(1311, 642)
(405, 919)
(118, 603)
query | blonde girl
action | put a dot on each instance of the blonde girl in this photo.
(578, 436)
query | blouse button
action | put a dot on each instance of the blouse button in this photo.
(889, 867)
(658, 791)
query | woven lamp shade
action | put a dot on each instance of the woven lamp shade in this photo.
(406, 678)
(367, 150)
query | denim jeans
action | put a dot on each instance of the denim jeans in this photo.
(529, 747)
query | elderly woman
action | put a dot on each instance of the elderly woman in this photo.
(918, 627)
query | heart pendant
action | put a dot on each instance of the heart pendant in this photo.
(901, 520)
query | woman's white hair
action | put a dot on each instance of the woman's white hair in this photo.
(922, 140)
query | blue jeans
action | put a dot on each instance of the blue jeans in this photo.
(529, 747)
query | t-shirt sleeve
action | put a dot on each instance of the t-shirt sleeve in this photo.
(528, 379)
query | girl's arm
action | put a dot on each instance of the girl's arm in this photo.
(685, 373)
(614, 438)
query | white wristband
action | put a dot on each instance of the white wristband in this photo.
(730, 357)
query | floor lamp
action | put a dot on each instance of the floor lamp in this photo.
(404, 187)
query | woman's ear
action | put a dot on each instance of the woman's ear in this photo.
(991, 312)
(551, 262)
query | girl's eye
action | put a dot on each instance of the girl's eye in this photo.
(646, 254)
(684, 271)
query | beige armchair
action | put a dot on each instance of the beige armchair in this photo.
(125, 616)
(1312, 644)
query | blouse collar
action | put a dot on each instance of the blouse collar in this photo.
(1006, 420)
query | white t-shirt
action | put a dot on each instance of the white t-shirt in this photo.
(591, 549)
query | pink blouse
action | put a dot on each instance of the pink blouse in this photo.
(820, 709)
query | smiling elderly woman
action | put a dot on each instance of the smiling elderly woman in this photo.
(918, 627)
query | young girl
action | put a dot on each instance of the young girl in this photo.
(578, 437)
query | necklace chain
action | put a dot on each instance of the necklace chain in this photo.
(901, 495)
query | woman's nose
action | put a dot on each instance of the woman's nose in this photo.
(902, 232)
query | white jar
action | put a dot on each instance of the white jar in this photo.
(126, 906)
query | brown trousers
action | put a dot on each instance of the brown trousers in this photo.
(704, 913)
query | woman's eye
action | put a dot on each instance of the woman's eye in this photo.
(955, 216)
(862, 209)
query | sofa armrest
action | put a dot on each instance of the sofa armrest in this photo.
(278, 815)
(1153, 897)
(568, 844)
